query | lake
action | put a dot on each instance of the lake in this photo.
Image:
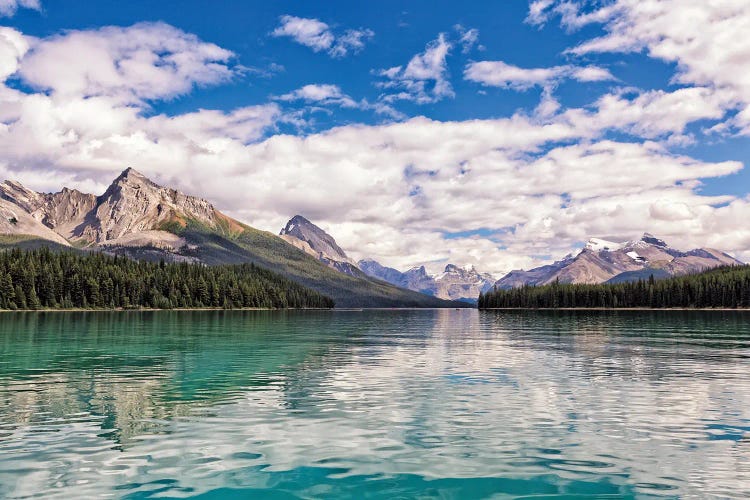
(375, 404)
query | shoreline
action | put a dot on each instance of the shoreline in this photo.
(149, 309)
(738, 309)
(333, 309)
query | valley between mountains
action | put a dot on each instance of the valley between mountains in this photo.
(137, 218)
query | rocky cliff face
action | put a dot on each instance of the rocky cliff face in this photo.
(62, 212)
(373, 269)
(311, 239)
(132, 205)
(137, 218)
(17, 222)
(458, 283)
(602, 260)
(455, 283)
(418, 280)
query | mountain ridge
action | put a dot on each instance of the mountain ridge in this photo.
(603, 260)
(313, 240)
(454, 283)
(140, 219)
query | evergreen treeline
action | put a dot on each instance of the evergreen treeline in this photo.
(42, 278)
(724, 287)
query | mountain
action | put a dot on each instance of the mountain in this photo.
(726, 287)
(132, 205)
(454, 283)
(374, 269)
(603, 260)
(457, 283)
(312, 240)
(140, 219)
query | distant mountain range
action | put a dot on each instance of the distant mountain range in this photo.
(454, 283)
(141, 219)
(602, 261)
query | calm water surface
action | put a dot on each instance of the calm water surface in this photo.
(378, 404)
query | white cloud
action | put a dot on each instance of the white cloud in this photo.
(351, 41)
(13, 46)
(671, 211)
(541, 183)
(538, 11)
(424, 79)
(317, 95)
(468, 38)
(320, 93)
(501, 74)
(319, 37)
(706, 40)
(8, 8)
(141, 62)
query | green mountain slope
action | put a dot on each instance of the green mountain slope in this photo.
(145, 221)
(268, 250)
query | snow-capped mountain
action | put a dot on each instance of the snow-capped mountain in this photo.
(603, 260)
(453, 283)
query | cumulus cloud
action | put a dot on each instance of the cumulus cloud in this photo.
(8, 8)
(501, 74)
(319, 36)
(140, 62)
(13, 46)
(424, 79)
(655, 114)
(706, 40)
(402, 191)
(671, 211)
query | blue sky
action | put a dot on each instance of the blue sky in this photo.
(405, 153)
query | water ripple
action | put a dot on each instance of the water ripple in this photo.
(377, 404)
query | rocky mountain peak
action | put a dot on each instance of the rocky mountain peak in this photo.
(602, 260)
(298, 220)
(131, 174)
(134, 204)
(417, 271)
(461, 271)
(311, 239)
(321, 242)
(455, 283)
(17, 193)
(653, 240)
(132, 179)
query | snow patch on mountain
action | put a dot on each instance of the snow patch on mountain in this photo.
(600, 245)
(602, 260)
(455, 283)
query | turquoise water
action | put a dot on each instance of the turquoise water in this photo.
(375, 404)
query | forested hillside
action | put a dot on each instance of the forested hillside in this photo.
(724, 287)
(42, 278)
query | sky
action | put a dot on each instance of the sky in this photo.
(496, 134)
